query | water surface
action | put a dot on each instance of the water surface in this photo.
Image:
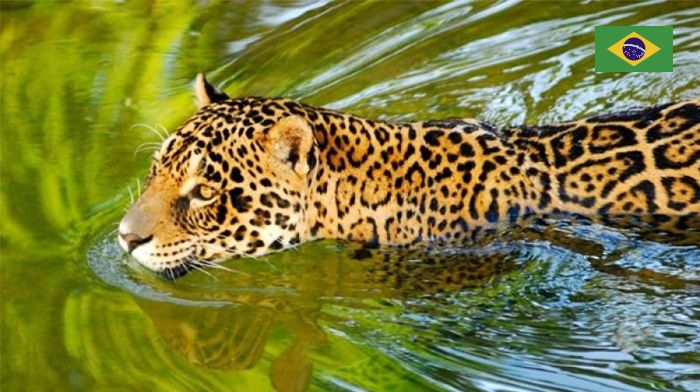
(87, 87)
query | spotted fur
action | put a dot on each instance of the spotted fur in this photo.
(250, 176)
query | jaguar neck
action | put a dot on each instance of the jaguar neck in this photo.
(358, 163)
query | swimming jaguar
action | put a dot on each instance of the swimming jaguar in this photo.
(251, 176)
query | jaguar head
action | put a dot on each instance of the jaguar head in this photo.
(231, 181)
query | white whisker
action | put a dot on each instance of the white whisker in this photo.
(294, 247)
(211, 264)
(131, 195)
(196, 266)
(270, 264)
(150, 128)
(165, 131)
(227, 269)
(147, 146)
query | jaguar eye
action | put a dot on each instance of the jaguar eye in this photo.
(203, 192)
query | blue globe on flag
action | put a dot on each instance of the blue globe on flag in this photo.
(633, 49)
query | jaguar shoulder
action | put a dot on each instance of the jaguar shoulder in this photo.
(250, 176)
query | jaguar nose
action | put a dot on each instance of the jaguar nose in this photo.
(131, 241)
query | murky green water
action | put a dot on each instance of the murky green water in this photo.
(582, 307)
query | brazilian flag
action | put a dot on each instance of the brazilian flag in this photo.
(634, 49)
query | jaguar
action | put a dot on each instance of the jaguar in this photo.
(250, 176)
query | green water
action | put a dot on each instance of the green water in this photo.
(580, 307)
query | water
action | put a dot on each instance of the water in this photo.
(578, 306)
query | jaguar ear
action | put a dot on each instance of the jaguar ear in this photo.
(206, 93)
(291, 141)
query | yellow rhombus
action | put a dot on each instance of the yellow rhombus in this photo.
(651, 49)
